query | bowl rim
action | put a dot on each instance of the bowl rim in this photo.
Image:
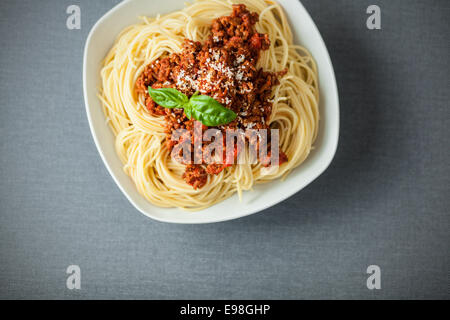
(319, 169)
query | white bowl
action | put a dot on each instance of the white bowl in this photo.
(264, 196)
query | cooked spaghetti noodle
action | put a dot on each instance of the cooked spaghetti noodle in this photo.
(141, 135)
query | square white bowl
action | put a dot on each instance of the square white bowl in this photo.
(98, 44)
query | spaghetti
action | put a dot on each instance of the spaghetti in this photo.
(142, 144)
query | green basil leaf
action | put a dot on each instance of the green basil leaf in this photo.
(210, 112)
(168, 97)
(188, 110)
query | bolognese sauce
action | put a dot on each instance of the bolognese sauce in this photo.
(224, 68)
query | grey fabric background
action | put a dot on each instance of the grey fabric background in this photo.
(384, 200)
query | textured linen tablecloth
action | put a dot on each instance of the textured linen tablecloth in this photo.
(383, 201)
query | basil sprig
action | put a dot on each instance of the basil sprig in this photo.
(200, 107)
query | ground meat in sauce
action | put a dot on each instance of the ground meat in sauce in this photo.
(195, 175)
(223, 67)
